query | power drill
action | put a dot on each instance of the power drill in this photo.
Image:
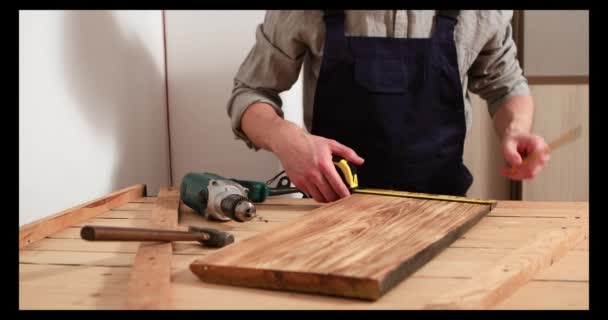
(219, 198)
(216, 197)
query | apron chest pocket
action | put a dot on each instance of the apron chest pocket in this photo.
(383, 75)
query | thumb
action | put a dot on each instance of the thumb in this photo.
(509, 150)
(345, 152)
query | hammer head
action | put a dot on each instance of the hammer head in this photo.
(216, 239)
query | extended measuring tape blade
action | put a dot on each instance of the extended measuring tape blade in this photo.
(427, 196)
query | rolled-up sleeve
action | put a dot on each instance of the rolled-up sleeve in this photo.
(271, 67)
(496, 75)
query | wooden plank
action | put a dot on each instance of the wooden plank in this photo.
(46, 287)
(47, 226)
(574, 266)
(538, 213)
(80, 245)
(360, 247)
(150, 281)
(125, 214)
(527, 205)
(549, 295)
(136, 223)
(510, 273)
(135, 206)
(557, 80)
(100, 259)
(509, 232)
(145, 200)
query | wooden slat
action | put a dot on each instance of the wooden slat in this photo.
(126, 214)
(145, 200)
(135, 206)
(549, 295)
(360, 246)
(53, 287)
(105, 259)
(574, 266)
(47, 226)
(150, 281)
(557, 80)
(510, 273)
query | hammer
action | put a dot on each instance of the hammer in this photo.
(206, 236)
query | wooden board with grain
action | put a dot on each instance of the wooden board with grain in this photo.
(149, 284)
(488, 288)
(47, 226)
(358, 247)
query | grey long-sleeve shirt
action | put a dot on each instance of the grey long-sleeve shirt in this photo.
(288, 40)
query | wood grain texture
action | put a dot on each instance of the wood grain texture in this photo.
(493, 286)
(359, 247)
(63, 272)
(149, 284)
(47, 226)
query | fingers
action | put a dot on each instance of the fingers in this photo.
(527, 170)
(345, 152)
(509, 150)
(315, 193)
(318, 186)
(326, 189)
(521, 169)
(334, 180)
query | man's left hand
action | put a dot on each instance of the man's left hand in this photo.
(516, 148)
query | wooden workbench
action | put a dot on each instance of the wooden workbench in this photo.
(62, 271)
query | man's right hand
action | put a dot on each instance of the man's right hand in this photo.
(307, 158)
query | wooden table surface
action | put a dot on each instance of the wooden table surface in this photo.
(63, 271)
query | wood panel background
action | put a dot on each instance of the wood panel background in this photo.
(566, 176)
(558, 108)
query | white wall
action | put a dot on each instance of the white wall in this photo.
(556, 42)
(204, 52)
(92, 107)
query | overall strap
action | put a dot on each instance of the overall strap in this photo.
(445, 22)
(335, 36)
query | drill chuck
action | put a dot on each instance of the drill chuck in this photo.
(238, 208)
(217, 198)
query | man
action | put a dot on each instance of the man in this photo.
(387, 91)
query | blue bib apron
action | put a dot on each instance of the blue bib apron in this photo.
(398, 103)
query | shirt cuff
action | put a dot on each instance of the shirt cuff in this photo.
(239, 105)
(521, 89)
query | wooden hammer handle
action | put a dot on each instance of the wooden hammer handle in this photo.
(102, 233)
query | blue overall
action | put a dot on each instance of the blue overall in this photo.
(398, 103)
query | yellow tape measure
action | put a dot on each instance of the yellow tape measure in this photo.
(349, 176)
